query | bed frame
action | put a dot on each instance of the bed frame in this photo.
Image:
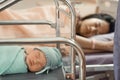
(58, 40)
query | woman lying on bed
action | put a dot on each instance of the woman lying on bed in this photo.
(18, 59)
(95, 32)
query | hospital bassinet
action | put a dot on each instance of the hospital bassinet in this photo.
(58, 40)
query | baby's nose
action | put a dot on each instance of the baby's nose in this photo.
(36, 61)
(93, 29)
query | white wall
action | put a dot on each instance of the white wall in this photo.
(108, 6)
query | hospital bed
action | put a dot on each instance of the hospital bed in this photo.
(75, 70)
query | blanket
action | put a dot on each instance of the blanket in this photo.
(12, 60)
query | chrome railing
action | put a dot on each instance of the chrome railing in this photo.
(71, 41)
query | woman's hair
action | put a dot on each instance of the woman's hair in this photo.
(103, 16)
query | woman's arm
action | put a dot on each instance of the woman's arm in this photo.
(90, 51)
(98, 45)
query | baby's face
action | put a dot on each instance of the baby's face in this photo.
(35, 60)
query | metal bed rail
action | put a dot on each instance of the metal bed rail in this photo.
(58, 39)
(99, 67)
(7, 3)
(103, 67)
(71, 15)
(30, 22)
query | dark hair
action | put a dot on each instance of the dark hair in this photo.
(108, 18)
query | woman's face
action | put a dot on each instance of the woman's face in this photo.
(35, 60)
(93, 26)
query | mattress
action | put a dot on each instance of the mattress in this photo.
(93, 59)
(99, 58)
(57, 74)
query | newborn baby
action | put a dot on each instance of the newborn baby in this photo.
(17, 59)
